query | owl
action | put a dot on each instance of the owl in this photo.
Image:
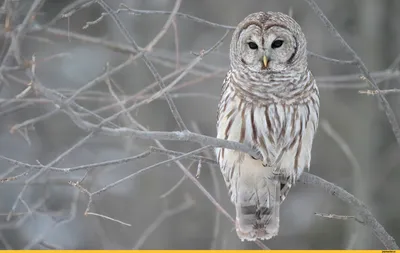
(269, 101)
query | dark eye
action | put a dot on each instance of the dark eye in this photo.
(253, 45)
(276, 44)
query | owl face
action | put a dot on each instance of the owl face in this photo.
(269, 49)
(268, 42)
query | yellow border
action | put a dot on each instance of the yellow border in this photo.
(206, 251)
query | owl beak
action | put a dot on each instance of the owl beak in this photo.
(265, 61)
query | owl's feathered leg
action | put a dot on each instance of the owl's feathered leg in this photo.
(286, 182)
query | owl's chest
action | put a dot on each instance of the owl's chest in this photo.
(283, 134)
(269, 125)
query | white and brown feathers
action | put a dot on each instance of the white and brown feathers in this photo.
(269, 101)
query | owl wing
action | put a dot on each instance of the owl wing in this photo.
(222, 101)
(295, 144)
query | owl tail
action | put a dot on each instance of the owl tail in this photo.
(257, 209)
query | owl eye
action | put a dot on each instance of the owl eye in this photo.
(252, 45)
(277, 44)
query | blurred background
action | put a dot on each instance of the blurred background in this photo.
(354, 148)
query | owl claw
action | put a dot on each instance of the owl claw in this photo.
(267, 163)
(260, 154)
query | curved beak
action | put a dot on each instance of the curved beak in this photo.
(265, 61)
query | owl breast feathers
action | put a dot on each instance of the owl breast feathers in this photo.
(269, 101)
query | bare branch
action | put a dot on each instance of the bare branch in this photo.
(43, 170)
(360, 64)
(125, 8)
(336, 61)
(217, 192)
(375, 92)
(173, 188)
(367, 217)
(148, 63)
(338, 217)
(163, 216)
(67, 170)
(108, 218)
(71, 216)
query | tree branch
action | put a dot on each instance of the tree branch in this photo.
(367, 217)
(360, 64)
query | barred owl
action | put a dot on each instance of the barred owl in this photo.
(269, 101)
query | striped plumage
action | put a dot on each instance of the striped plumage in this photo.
(274, 111)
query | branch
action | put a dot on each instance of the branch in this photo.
(125, 8)
(338, 217)
(360, 64)
(171, 136)
(336, 61)
(379, 231)
(375, 92)
(148, 63)
(163, 216)
(368, 219)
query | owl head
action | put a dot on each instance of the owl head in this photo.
(267, 42)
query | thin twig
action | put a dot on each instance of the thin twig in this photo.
(358, 184)
(338, 217)
(163, 216)
(108, 218)
(135, 174)
(375, 92)
(166, 26)
(175, 186)
(43, 170)
(148, 63)
(336, 61)
(71, 169)
(71, 216)
(217, 192)
(360, 64)
(125, 8)
(367, 217)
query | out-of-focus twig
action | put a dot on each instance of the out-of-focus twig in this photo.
(358, 184)
(360, 64)
(375, 92)
(163, 216)
(338, 217)
(368, 219)
(315, 55)
(217, 191)
(148, 63)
